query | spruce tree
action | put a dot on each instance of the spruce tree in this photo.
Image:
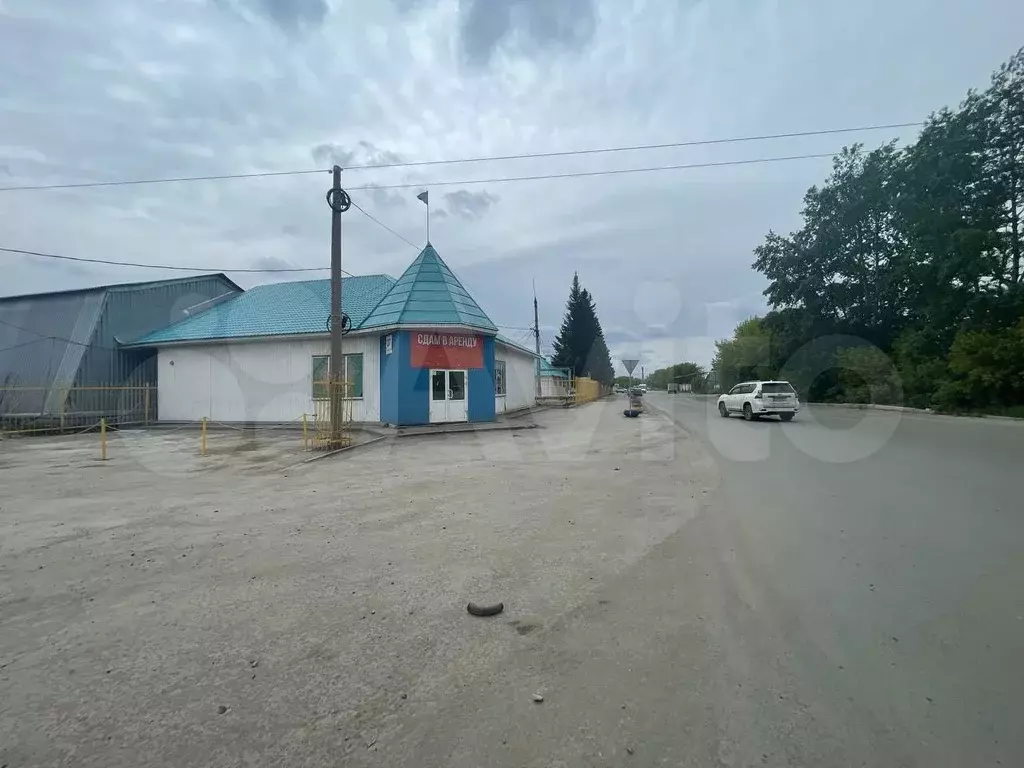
(580, 344)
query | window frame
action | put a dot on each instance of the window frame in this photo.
(318, 394)
(502, 378)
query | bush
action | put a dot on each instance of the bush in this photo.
(867, 375)
(987, 369)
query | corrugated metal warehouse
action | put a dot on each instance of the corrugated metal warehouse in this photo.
(420, 350)
(57, 348)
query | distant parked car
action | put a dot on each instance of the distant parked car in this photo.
(754, 399)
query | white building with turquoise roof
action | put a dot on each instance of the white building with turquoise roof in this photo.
(419, 350)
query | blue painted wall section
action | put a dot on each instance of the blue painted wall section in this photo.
(389, 378)
(481, 386)
(405, 391)
(414, 391)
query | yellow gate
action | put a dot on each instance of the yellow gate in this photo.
(322, 430)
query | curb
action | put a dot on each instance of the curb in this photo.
(461, 430)
(897, 409)
(336, 451)
(922, 411)
(873, 407)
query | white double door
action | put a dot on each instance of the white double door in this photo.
(448, 396)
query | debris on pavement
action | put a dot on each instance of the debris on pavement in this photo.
(481, 609)
(537, 698)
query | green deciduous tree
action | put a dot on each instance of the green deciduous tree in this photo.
(917, 250)
(987, 369)
(680, 373)
(744, 357)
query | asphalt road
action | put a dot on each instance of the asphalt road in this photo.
(876, 564)
(680, 589)
(851, 593)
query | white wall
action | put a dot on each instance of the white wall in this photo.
(256, 380)
(520, 384)
(553, 386)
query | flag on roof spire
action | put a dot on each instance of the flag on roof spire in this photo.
(424, 197)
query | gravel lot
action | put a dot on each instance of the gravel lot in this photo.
(166, 609)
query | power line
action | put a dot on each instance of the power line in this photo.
(173, 267)
(463, 160)
(44, 337)
(24, 343)
(385, 226)
(582, 174)
(172, 180)
(635, 147)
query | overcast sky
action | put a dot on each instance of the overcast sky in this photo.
(112, 89)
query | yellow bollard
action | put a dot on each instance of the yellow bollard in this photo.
(305, 434)
(203, 447)
(103, 439)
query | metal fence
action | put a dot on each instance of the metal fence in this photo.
(59, 409)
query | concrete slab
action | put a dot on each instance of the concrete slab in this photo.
(156, 611)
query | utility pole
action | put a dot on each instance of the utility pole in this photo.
(339, 202)
(536, 337)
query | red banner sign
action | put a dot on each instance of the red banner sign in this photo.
(437, 349)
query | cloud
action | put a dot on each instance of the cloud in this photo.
(333, 154)
(271, 262)
(290, 15)
(360, 153)
(372, 155)
(387, 198)
(469, 205)
(238, 86)
(486, 26)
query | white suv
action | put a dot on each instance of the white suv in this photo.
(754, 399)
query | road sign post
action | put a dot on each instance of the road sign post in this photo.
(630, 367)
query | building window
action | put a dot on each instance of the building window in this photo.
(353, 375)
(499, 377)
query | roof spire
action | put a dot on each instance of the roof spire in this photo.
(428, 293)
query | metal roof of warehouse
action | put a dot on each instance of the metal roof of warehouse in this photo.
(427, 293)
(51, 341)
(278, 309)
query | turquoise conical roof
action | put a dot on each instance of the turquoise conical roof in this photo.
(428, 293)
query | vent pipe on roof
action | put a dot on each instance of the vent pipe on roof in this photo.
(209, 303)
